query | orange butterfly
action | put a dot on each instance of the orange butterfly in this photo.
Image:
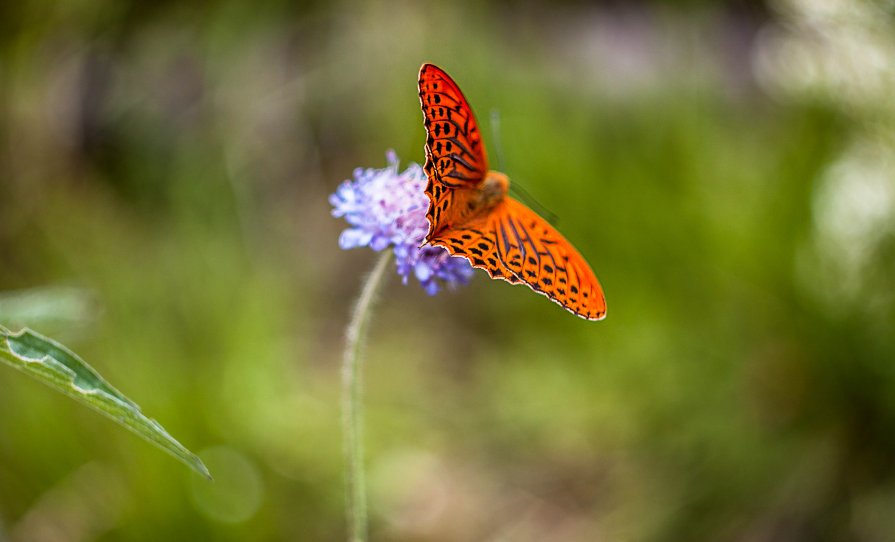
(471, 215)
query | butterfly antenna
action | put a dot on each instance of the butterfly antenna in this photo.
(515, 187)
(495, 138)
(523, 194)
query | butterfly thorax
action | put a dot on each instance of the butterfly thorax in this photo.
(492, 190)
(481, 199)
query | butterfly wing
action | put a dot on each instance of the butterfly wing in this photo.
(515, 244)
(456, 163)
(508, 240)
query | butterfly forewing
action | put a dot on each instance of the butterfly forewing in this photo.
(455, 156)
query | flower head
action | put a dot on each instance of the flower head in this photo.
(385, 209)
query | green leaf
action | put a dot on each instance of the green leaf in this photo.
(61, 369)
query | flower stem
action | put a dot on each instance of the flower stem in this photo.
(352, 409)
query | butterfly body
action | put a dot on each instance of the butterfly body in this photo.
(493, 189)
(471, 215)
(467, 204)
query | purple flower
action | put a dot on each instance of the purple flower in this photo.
(385, 209)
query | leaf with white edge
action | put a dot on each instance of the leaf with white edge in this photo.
(61, 369)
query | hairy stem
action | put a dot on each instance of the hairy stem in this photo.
(352, 408)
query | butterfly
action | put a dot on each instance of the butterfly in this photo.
(471, 215)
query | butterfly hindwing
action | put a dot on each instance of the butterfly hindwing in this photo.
(477, 241)
(515, 244)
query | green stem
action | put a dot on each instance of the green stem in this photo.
(352, 409)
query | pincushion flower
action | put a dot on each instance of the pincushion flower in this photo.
(385, 209)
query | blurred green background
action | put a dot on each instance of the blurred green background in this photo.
(728, 168)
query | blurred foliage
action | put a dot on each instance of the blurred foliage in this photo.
(731, 187)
